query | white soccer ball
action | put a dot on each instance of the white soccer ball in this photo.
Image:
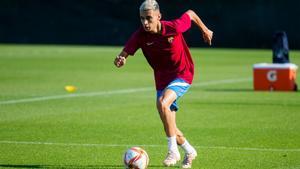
(136, 158)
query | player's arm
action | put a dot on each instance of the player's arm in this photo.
(120, 60)
(206, 33)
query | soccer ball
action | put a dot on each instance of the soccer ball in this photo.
(136, 158)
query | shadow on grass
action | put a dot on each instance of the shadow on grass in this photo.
(73, 166)
(230, 90)
(248, 90)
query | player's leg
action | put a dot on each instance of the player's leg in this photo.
(166, 115)
(183, 143)
(166, 103)
(179, 137)
(190, 152)
(168, 118)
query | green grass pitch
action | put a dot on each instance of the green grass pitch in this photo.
(232, 127)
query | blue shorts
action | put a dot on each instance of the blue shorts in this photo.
(180, 87)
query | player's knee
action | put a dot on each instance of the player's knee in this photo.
(162, 106)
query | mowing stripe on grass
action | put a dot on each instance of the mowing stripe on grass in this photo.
(144, 145)
(123, 91)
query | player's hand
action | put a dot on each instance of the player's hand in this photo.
(120, 61)
(207, 36)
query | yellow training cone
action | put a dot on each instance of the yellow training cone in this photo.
(70, 88)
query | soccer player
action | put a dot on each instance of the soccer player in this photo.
(166, 51)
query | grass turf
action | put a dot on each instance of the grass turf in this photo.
(232, 126)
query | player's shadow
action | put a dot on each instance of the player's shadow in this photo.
(230, 90)
(62, 166)
(73, 166)
(161, 166)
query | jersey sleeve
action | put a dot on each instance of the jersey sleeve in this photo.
(132, 45)
(182, 24)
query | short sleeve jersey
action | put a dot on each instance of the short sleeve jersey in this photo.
(167, 53)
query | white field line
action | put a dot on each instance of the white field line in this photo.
(144, 145)
(106, 93)
(57, 97)
(54, 51)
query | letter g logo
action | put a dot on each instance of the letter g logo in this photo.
(272, 75)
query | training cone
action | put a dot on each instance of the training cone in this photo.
(70, 88)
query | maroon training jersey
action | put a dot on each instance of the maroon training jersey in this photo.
(167, 53)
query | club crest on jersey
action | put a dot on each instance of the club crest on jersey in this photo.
(149, 43)
(170, 39)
